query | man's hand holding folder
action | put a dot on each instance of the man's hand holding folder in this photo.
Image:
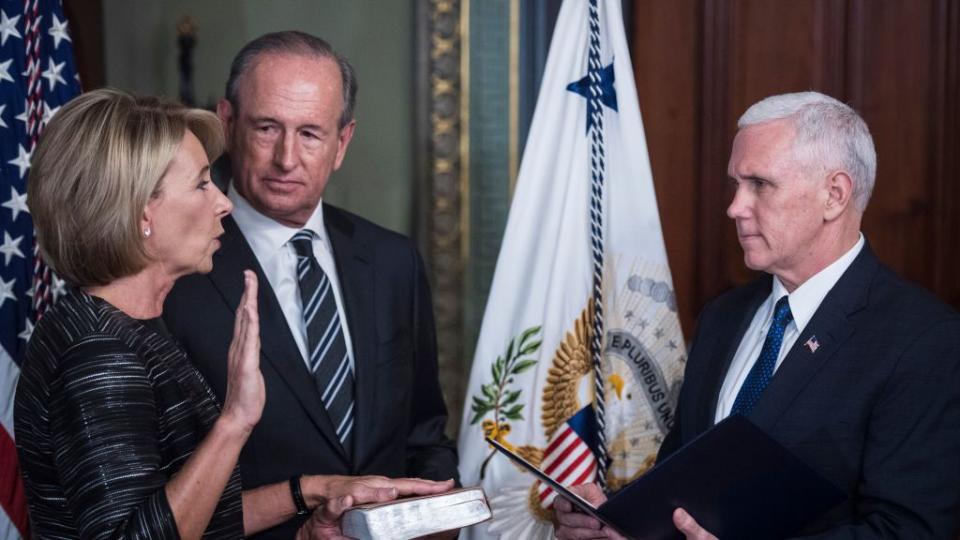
(575, 525)
(738, 482)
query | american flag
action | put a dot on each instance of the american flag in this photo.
(570, 456)
(37, 76)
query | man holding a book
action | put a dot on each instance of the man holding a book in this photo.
(348, 353)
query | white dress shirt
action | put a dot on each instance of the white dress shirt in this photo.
(270, 242)
(803, 304)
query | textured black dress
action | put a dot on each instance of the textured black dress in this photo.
(107, 410)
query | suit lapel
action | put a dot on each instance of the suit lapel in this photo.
(277, 345)
(730, 335)
(829, 328)
(355, 273)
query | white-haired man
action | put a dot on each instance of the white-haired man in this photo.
(853, 369)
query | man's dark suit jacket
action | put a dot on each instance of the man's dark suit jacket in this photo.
(876, 408)
(400, 415)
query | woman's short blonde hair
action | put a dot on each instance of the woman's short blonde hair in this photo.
(98, 163)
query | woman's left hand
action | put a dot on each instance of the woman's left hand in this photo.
(324, 522)
(246, 394)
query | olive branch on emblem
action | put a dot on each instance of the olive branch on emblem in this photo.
(496, 396)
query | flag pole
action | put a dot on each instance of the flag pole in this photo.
(597, 170)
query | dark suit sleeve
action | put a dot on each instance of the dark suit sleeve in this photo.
(910, 478)
(104, 425)
(430, 453)
(671, 443)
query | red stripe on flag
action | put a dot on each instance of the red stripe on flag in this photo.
(556, 442)
(567, 471)
(560, 457)
(547, 490)
(586, 474)
(11, 488)
(576, 463)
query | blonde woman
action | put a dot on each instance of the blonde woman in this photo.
(117, 434)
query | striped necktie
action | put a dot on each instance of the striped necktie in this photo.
(328, 360)
(762, 371)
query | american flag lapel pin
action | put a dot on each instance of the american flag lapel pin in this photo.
(812, 344)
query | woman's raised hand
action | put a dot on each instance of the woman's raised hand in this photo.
(245, 397)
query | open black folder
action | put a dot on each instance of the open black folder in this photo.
(734, 479)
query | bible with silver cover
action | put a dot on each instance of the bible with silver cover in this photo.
(416, 516)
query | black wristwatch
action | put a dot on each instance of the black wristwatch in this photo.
(297, 495)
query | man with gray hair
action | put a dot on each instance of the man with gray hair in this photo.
(348, 351)
(850, 367)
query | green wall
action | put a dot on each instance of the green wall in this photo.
(377, 36)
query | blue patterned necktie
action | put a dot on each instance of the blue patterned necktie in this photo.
(762, 371)
(328, 360)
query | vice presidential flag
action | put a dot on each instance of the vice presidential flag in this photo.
(36, 77)
(580, 354)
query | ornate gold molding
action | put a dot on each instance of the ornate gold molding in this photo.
(447, 186)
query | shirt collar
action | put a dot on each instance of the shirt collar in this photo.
(265, 235)
(806, 298)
